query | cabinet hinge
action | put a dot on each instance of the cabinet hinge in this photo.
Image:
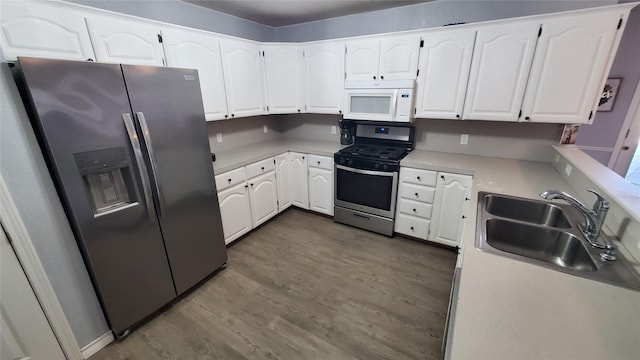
(520, 114)
(619, 24)
(415, 111)
(267, 107)
(540, 31)
(159, 38)
(418, 73)
(345, 49)
(590, 114)
(421, 43)
(345, 74)
(302, 53)
(263, 54)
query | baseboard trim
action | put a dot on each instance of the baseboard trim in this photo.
(97, 344)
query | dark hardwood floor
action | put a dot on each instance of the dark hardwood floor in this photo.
(304, 287)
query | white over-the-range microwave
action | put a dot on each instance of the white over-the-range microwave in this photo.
(385, 100)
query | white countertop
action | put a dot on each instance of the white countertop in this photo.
(508, 309)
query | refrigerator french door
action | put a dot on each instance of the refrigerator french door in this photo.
(128, 149)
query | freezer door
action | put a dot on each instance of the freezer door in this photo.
(80, 111)
(167, 104)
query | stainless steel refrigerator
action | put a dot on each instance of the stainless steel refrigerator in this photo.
(128, 149)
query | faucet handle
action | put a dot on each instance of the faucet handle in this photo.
(601, 203)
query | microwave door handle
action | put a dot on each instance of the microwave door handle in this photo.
(142, 168)
(152, 161)
(394, 104)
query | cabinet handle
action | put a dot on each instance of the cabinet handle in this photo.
(458, 116)
(246, 186)
(381, 77)
(527, 118)
(466, 199)
(318, 162)
(298, 110)
(251, 185)
(411, 228)
(226, 116)
(374, 77)
(414, 210)
(418, 177)
(416, 194)
(464, 217)
(262, 168)
(303, 158)
(339, 111)
(229, 180)
(442, 177)
(233, 115)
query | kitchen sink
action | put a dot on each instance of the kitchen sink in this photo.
(537, 212)
(545, 244)
(546, 234)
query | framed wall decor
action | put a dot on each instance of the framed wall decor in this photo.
(609, 94)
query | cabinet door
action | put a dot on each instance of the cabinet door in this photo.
(124, 41)
(445, 59)
(399, 57)
(362, 60)
(264, 197)
(324, 77)
(283, 75)
(40, 30)
(501, 62)
(321, 190)
(569, 68)
(450, 208)
(196, 50)
(243, 79)
(235, 210)
(283, 177)
(299, 183)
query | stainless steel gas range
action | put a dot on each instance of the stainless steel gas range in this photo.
(366, 175)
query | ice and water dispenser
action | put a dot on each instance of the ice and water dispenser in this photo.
(107, 179)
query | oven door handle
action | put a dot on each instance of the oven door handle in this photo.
(366, 172)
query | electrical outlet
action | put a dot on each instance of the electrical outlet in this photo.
(333, 129)
(557, 158)
(219, 137)
(567, 169)
(265, 129)
(464, 139)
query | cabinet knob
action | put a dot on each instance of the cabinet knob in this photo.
(411, 228)
(458, 116)
(527, 118)
(251, 185)
(381, 77)
(318, 162)
(298, 110)
(466, 199)
(418, 177)
(374, 77)
(416, 194)
(232, 115)
(229, 180)
(414, 210)
(262, 168)
(442, 177)
(339, 111)
(90, 59)
(464, 217)
(246, 186)
(226, 116)
(303, 158)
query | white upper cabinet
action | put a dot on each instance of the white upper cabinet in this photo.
(445, 59)
(324, 80)
(41, 30)
(399, 57)
(383, 58)
(501, 62)
(283, 75)
(243, 79)
(362, 60)
(196, 50)
(569, 67)
(123, 41)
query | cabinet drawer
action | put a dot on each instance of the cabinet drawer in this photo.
(230, 178)
(260, 167)
(418, 176)
(417, 192)
(322, 162)
(412, 226)
(416, 208)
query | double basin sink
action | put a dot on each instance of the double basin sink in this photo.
(546, 234)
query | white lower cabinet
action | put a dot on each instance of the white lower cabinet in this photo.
(451, 207)
(321, 184)
(235, 210)
(299, 182)
(283, 178)
(263, 195)
(432, 205)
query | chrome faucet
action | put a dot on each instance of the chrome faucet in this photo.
(594, 217)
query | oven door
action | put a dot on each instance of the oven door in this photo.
(373, 192)
(371, 104)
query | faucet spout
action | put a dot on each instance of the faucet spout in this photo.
(594, 218)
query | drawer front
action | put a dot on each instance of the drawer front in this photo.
(412, 226)
(417, 192)
(230, 178)
(260, 167)
(322, 162)
(416, 208)
(417, 176)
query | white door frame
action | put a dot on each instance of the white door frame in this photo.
(630, 127)
(26, 253)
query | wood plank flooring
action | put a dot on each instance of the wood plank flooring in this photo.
(304, 287)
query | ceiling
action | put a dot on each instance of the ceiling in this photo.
(287, 12)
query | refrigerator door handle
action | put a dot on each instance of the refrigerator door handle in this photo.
(152, 161)
(142, 169)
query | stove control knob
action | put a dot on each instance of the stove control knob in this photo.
(377, 165)
(385, 167)
(350, 162)
(340, 160)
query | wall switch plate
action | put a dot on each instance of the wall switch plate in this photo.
(567, 169)
(333, 129)
(219, 137)
(265, 129)
(556, 158)
(464, 139)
